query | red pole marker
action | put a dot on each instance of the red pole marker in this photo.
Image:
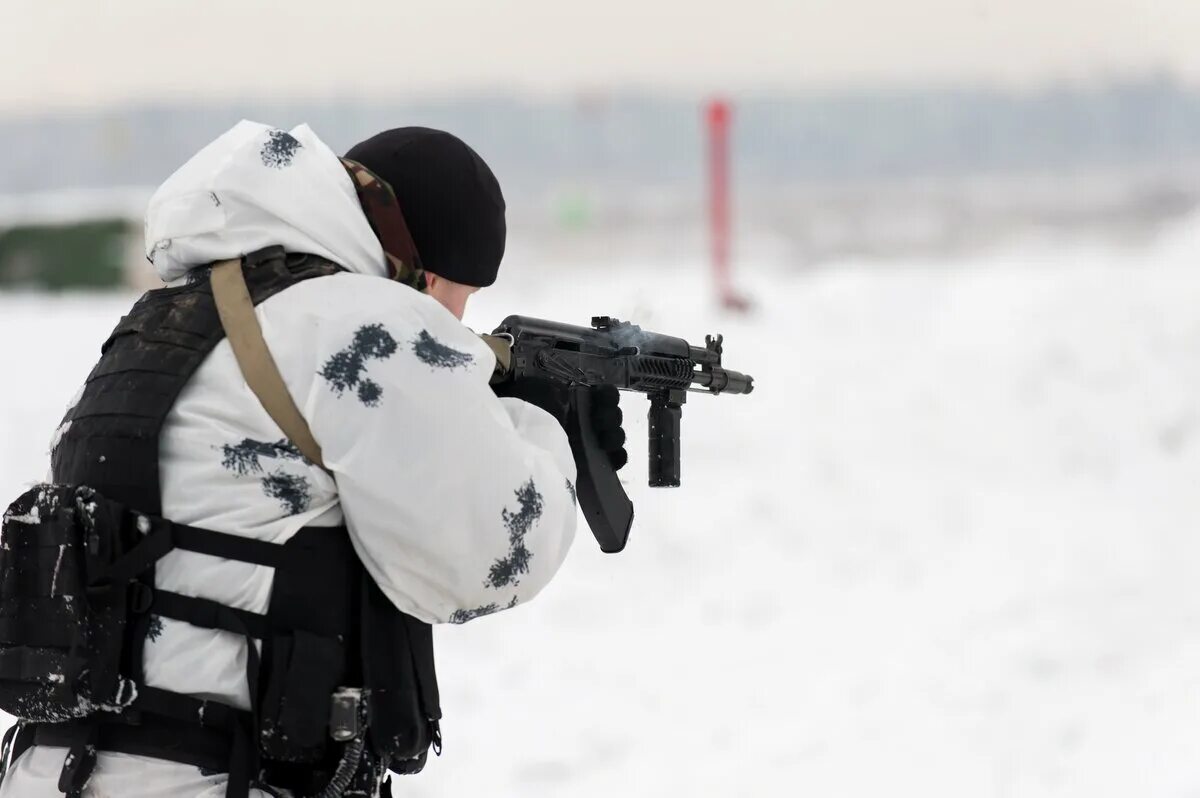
(718, 118)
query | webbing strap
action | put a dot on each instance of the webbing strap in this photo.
(177, 706)
(209, 614)
(159, 738)
(227, 546)
(165, 536)
(236, 311)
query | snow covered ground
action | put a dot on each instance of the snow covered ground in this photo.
(948, 548)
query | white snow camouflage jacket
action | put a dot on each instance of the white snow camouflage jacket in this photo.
(458, 503)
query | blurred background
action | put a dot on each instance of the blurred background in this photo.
(948, 547)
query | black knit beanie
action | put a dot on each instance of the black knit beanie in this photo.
(450, 200)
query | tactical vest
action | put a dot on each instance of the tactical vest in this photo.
(342, 684)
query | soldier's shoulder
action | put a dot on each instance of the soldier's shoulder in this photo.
(348, 292)
(347, 297)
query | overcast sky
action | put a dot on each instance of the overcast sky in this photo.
(56, 53)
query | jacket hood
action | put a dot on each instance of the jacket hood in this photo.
(257, 186)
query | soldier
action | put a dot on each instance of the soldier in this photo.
(285, 467)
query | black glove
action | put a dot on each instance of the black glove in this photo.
(606, 421)
(555, 399)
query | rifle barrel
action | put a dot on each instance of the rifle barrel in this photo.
(719, 380)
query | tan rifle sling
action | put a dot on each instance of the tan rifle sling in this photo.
(236, 311)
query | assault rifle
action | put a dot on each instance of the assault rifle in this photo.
(621, 354)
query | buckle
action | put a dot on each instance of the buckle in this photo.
(345, 718)
(79, 763)
(140, 597)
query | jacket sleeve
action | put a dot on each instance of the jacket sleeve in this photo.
(458, 503)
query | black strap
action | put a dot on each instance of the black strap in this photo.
(164, 725)
(185, 708)
(242, 745)
(230, 547)
(244, 753)
(166, 535)
(160, 738)
(209, 614)
(240, 728)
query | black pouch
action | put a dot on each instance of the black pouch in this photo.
(62, 622)
(398, 670)
(307, 660)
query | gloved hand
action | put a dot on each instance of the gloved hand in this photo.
(606, 421)
(555, 399)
